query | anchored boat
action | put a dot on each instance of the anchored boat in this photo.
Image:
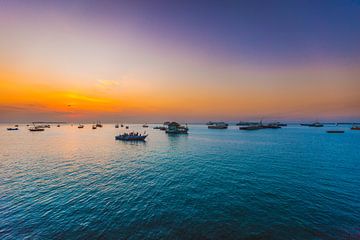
(335, 131)
(36, 129)
(355, 128)
(218, 125)
(176, 128)
(12, 129)
(131, 137)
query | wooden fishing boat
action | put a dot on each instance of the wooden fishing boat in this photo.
(81, 126)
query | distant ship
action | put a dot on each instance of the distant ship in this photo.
(81, 126)
(12, 129)
(36, 129)
(355, 128)
(116, 125)
(145, 126)
(98, 124)
(131, 137)
(218, 125)
(176, 128)
(315, 124)
(260, 125)
(335, 131)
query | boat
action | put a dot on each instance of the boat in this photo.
(355, 128)
(260, 125)
(81, 126)
(98, 124)
(122, 125)
(12, 129)
(271, 126)
(315, 124)
(43, 126)
(335, 131)
(37, 129)
(94, 127)
(58, 125)
(167, 123)
(210, 123)
(145, 126)
(176, 128)
(116, 125)
(127, 127)
(131, 137)
(218, 125)
(251, 127)
(16, 125)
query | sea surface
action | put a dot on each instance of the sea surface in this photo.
(69, 183)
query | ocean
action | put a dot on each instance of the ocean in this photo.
(290, 183)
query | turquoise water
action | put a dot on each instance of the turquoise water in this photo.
(70, 183)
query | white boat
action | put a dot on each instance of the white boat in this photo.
(37, 129)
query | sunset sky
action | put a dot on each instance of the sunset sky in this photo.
(151, 61)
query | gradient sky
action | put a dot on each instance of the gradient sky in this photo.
(148, 61)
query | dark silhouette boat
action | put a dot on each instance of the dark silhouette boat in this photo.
(116, 125)
(355, 128)
(315, 124)
(176, 128)
(218, 125)
(12, 129)
(251, 127)
(131, 137)
(335, 131)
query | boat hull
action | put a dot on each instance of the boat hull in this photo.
(130, 138)
(335, 131)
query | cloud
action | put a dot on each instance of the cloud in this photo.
(86, 98)
(107, 83)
